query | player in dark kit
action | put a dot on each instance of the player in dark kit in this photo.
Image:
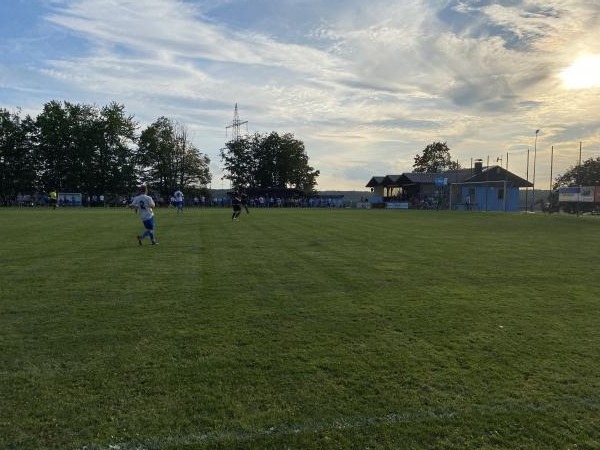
(244, 198)
(236, 203)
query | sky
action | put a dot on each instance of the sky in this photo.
(365, 85)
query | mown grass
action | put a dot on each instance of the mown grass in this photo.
(303, 329)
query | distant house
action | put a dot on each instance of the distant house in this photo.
(481, 188)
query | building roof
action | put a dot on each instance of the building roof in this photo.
(375, 181)
(492, 173)
(417, 178)
(497, 173)
(458, 175)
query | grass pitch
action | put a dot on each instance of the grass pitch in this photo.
(302, 329)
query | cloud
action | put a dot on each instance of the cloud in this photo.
(363, 84)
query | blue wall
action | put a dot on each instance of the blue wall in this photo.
(486, 198)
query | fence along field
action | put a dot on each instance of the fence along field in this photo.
(300, 329)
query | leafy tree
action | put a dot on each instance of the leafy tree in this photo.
(238, 158)
(53, 152)
(114, 154)
(17, 160)
(83, 148)
(584, 174)
(268, 161)
(435, 158)
(167, 160)
(191, 166)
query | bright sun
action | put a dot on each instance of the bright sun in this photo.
(583, 73)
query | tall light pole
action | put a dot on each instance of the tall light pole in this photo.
(527, 188)
(533, 180)
(551, 165)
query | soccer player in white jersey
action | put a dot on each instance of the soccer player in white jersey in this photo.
(178, 196)
(143, 205)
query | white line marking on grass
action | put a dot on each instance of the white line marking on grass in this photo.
(245, 435)
(316, 427)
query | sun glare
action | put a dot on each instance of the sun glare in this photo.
(583, 73)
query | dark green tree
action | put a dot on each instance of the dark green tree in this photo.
(54, 147)
(17, 158)
(585, 174)
(115, 155)
(168, 161)
(268, 161)
(238, 159)
(82, 148)
(436, 158)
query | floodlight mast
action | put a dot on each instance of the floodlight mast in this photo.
(534, 158)
(236, 125)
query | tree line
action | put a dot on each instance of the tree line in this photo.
(95, 150)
